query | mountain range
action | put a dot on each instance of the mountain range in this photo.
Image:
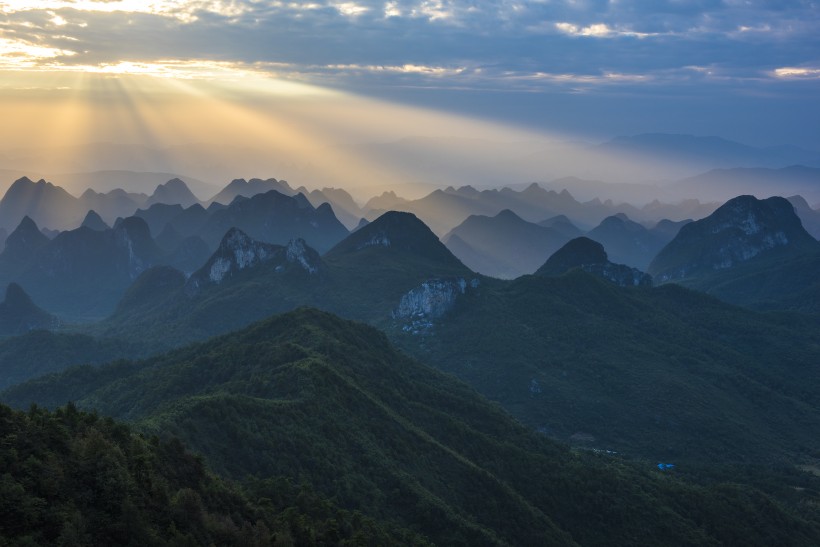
(585, 352)
(612, 356)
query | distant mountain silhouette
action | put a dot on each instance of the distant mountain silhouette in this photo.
(83, 272)
(18, 314)
(273, 217)
(808, 216)
(173, 191)
(22, 244)
(589, 255)
(704, 152)
(249, 188)
(563, 225)
(630, 243)
(396, 234)
(48, 205)
(723, 184)
(52, 207)
(443, 210)
(93, 221)
(345, 208)
(504, 246)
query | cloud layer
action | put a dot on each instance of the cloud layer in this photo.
(594, 47)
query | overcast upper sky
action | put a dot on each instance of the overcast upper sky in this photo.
(743, 69)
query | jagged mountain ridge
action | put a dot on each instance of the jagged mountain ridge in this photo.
(52, 207)
(271, 217)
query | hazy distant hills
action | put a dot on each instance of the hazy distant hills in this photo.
(271, 217)
(19, 315)
(307, 395)
(81, 272)
(708, 152)
(723, 184)
(505, 245)
(628, 242)
(443, 210)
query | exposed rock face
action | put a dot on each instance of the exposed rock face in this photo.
(238, 251)
(590, 256)
(742, 229)
(299, 253)
(433, 298)
(133, 238)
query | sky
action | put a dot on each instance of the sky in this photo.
(325, 72)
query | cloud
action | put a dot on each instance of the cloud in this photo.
(659, 48)
(797, 73)
(599, 30)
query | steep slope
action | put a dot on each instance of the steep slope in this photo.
(22, 245)
(752, 253)
(590, 256)
(41, 352)
(504, 246)
(663, 373)
(744, 228)
(808, 216)
(93, 221)
(71, 478)
(83, 272)
(345, 208)
(393, 269)
(18, 314)
(237, 252)
(309, 395)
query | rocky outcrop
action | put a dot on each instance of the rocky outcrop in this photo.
(238, 252)
(433, 298)
(740, 230)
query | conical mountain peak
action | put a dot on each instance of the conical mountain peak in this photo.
(398, 233)
(94, 221)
